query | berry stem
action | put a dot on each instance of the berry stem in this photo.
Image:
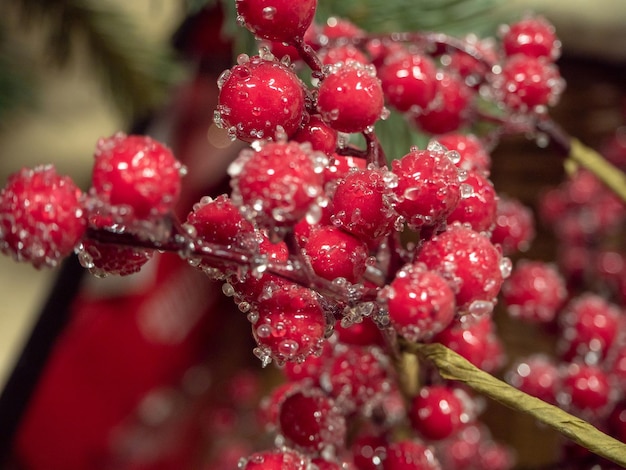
(375, 151)
(308, 55)
(452, 366)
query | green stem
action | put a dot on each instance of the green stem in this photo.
(452, 366)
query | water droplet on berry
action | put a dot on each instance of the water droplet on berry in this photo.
(228, 290)
(466, 190)
(241, 60)
(222, 78)
(506, 266)
(269, 13)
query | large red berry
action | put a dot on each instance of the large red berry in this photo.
(279, 183)
(41, 216)
(420, 303)
(334, 253)
(535, 291)
(277, 459)
(410, 455)
(533, 37)
(260, 99)
(289, 325)
(438, 411)
(428, 187)
(136, 173)
(350, 99)
(361, 204)
(279, 20)
(409, 82)
(310, 420)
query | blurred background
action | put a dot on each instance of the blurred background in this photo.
(61, 110)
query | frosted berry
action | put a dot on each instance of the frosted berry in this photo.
(428, 187)
(361, 204)
(537, 375)
(450, 107)
(589, 326)
(350, 99)
(41, 216)
(471, 263)
(478, 205)
(585, 389)
(104, 259)
(334, 253)
(533, 37)
(410, 455)
(321, 137)
(278, 184)
(438, 412)
(310, 420)
(289, 325)
(138, 173)
(280, 20)
(369, 451)
(472, 153)
(420, 303)
(340, 165)
(528, 83)
(534, 292)
(515, 226)
(277, 459)
(260, 99)
(409, 81)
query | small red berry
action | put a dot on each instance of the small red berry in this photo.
(321, 137)
(104, 259)
(260, 99)
(279, 20)
(533, 37)
(409, 82)
(277, 459)
(41, 216)
(478, 204)
(342, 53)
(585, 389)
(410, 455)
(515, 226)
(438, 412)
(350, 99)
(536, 375)
(473, 154)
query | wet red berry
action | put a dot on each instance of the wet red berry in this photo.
(409, 82)
(533, 37)
(515, 226)
(277, 459)
(280, 20)
(478, 204)
(537, 375)
(410, 455)
(321, 137)
(473, 154)
(438, 412)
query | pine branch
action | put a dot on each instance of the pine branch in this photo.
(135, 73)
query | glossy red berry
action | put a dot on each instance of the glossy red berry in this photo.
(410, 455)
(585, 389)
(137, 175)
(334, 253)
(279, 183)
(529, 83)
(289, 324)
(277, 459)
(342, 53)
(279, 20)
(534, 292)
(310, 420)
(478, 204)
(321, 137)
(260, 99)
(409, 82)
(537, 375)
(340, 28)
(340, 165)
(428, 187)
(473, 154)
(361, 204)
(438, 411)
(471, 263)
(420, 303)
(533, 37)
(369, 450)
(105, 259)
(515, 226)
(41, 216)
(350, 98)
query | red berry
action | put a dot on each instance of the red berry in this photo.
(361, 204)
(279, 183)
(137, 173)
(438, 412)
(289, 324)
(350, 99)
(363, 333)
(585, 389)
(342, 53)
(428, 187)
(533, 37)
(515, 226)
(340, 165)
(473, 154)
(478, 204)
(410, 455)
(471, 263)
(277, 459)
(280, 20)
(311, 421)
(104, 259)
(369, 451)
(535, 291)
(41, 216)
(310, 368)
(420, 303)
(269, 407)
(450, 106)
(409, 82)
(334, 253)
(260, 99)
(321, 137)
(529, 83)
(340, 28)
(589, 326)
(536, 375)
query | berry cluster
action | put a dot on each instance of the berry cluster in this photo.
(336, 255)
